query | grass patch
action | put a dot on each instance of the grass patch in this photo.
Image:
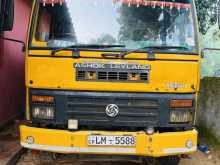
(208, 137)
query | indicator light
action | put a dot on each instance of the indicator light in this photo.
(42, 99)
(186, 103)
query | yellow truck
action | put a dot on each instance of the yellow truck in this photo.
(112, 77)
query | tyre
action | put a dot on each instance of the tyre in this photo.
(150, 161)
(169, 160)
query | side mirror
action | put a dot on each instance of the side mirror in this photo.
(7, 15)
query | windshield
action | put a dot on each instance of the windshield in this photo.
(133, 23)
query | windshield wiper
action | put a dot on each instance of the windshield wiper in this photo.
(152, 49)
(83, 46)
(169, 47)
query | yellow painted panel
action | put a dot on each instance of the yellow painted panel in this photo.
(59, 73)
(172, 140)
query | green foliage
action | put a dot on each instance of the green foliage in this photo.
(211, 62)
(104, 39)
(150, 25)
(207, 136)
(207, 14)
(133, 20)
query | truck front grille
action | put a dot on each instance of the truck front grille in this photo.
(91, 111)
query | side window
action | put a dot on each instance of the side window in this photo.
(1, 15)
(54, 26)
(44, 25)
(1, 7)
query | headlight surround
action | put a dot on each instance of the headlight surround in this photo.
(43, 112)
(181, 116)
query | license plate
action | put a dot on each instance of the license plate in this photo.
(101, 140)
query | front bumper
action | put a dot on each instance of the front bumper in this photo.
(64, 141)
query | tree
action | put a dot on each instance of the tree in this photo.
(136, 23)
(207, 14)
(153, 24)
(104, 39)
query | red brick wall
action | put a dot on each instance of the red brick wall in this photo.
(12, 90)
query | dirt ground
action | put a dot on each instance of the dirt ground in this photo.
(9, 144)
(198, 158)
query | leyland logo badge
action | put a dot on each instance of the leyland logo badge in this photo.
(112, 110)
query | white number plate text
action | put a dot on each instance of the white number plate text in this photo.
(101, 140)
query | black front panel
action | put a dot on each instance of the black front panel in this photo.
(134, 109)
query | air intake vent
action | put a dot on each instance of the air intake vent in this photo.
(81, 75)
(102, 75)
(144, 76)
(123, 76)
(112, 76)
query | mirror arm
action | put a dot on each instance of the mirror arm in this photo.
(210, 49)
(204, 49)
(14, 40)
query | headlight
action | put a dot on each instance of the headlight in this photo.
(181, 116)
(43, 112)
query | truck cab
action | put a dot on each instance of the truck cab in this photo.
(113, 77)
